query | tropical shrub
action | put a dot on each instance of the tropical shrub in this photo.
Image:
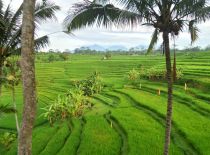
(153, 73)
(67, 106)
(11, 72)
(133, 77)
(51, 58)
(64, 56)
(92, 85)
(108, 55)
(179, 73)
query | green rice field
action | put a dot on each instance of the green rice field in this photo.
(125, 120)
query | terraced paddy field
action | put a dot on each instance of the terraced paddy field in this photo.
(124, 120)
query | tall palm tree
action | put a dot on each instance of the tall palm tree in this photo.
(11, 25)
(28, 76)
(166, 16)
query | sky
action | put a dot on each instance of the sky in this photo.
(105, 37)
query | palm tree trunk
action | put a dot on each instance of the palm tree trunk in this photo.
(170, 88)
(15, 107)
(1, 68)
(174, 67)
(28, 77)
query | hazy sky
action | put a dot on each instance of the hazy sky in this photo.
(90, 36)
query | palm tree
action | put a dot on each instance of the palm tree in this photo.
(10, 28)
(28, 76)
(166, 16)
(193, 30)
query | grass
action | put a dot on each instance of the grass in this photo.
(124, 120)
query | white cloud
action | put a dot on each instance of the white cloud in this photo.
(89, 36)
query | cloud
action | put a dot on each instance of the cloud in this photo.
(113, 36)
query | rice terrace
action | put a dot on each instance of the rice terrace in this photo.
(105, 102)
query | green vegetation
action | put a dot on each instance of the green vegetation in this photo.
(123, 118)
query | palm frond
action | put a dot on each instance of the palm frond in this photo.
(1, 8)
(45, 11)
(193, 31)
(153, 41)
(203, 14)
(41, 42)
(189, 8)
(89, 13)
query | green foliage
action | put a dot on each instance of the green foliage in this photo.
(92, 85)
(179, 73)
(51, 58)
(11, 72)
(64, 56)
(133, 77)
(108, 55)
(143, 124)
(153, 73)
(67, 106)
(7, 139)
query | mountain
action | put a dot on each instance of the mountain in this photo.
(117, 48)
(103, 48)
(96, 47)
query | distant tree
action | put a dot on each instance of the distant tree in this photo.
(166, 16)
(108, 55)
(207, 48)
(51, 58)
(64, 56)
(193, 49)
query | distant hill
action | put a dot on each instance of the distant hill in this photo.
(97, 47)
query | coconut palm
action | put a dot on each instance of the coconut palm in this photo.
(165, 16)
(28, 76)
(193, 30)
(11, 24)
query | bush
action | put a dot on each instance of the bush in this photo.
(133, 75)
(51, 58)
(153, 73)
(63, 56)
(92, 85)
(108, 55)
(179, 73)
(66, 107)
